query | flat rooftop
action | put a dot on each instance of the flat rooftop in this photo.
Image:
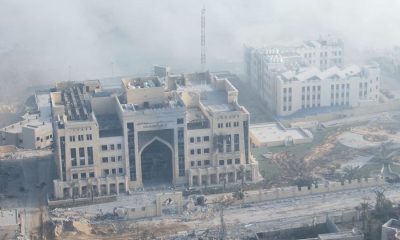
(8, 218)
(43, 105)
(141, 82)
(275, 132)
(30, 122)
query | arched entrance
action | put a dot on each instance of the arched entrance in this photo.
(156, 159)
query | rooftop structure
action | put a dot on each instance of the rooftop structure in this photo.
(391, 230)
(9, 223)
(327, 230)
(275, 134)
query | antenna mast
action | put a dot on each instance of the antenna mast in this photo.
(203, 38)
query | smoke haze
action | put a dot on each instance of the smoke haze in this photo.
(41, 40)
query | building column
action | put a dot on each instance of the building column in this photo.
(190, 178)
(235, 175)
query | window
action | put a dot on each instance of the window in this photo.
(37, 138)
(73, 157)
(206, 150)
(113, 159)
(179, 121)
(90, 155)
(198, 163)
(104, 147)
(88, 137)
(75, 176)
(83, 175)
(237, 160)
(81, 156)
(191, 151)
(119, 146)
(220, 125)
(206, 138)
(91, 174)
(72, 138)
(228, 124)
(192, 163)
(80, 138)
(228, 143)
(229, 161)
(113, 171)
(199, 151)
(198, 139)
(221, 162)
(236, 142)
(120, 170)
(105, 159)
(106, 172)
(119, 158)
(220, 143)
(112, 147)
(206, 162)
(192, 139)
(236, 124)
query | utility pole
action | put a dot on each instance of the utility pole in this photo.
(203, 39)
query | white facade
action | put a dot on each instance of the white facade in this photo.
(310, 76)
(183, 130)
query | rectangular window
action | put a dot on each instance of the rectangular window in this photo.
(88, 137)
(179, 121)
(90, 155)
(228, 143)
(237, 160)
(113, 159)
(91, 174)
(112, 147)
(113, 171)
(119, 146)
(73, 157)
(206, 150)
(206, 138)
(104, 147)
(192, 140)
(83, 175)
(191, 151)
(105, 159)
(206, 162)
(75, 176)
(229, 161)
(199, 151)
(198, 163)
(198, 139)
(236, 142)
(221, 162)
(120, 170)
(72, 138)
(119, 158)
(106, 172)
(192, 163)
(80, 138)
(81, 156)
(220, 143)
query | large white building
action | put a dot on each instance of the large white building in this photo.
(310, 76)
(183, 129)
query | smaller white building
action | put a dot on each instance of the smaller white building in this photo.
(35, 131)
(275, 134)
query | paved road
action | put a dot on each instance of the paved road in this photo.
(274, 214)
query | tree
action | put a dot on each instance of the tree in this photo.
(351, 173)
(383, 207)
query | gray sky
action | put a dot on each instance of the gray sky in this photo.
(41, 38)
